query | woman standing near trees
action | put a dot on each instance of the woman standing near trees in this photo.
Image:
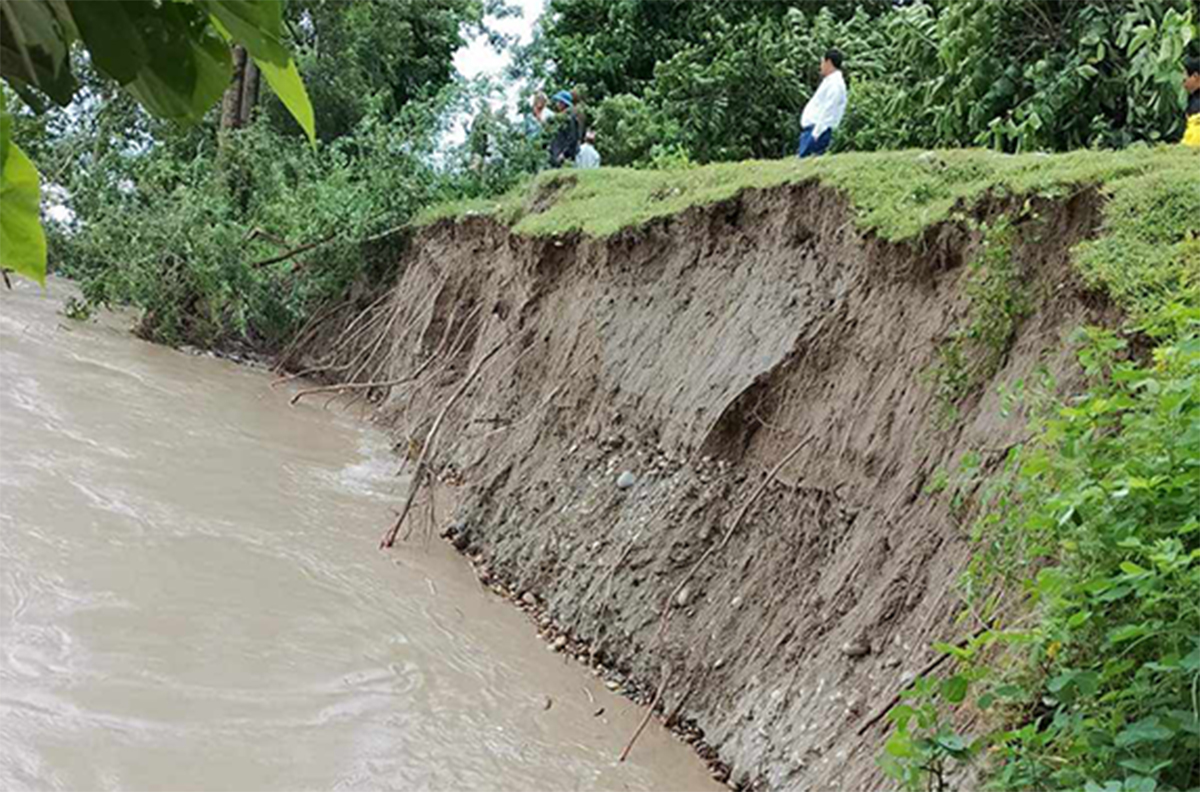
(535, 120)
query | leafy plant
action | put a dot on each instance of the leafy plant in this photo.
(1091, 534)
(997, 302)
(173, 57)
(924, 747)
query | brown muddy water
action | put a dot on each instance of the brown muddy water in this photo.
(191, 598)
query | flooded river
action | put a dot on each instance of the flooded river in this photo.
(191, 597)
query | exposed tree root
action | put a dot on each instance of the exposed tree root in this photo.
(666, 677)
(665, 617)
(389, 538)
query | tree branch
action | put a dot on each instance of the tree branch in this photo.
(287, 254)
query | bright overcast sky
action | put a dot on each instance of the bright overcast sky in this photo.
(478, 58)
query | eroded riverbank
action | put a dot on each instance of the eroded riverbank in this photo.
(190, 597)
(709, 444)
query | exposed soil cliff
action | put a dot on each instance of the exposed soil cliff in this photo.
(694, 353)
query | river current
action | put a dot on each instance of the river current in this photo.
(191, 597)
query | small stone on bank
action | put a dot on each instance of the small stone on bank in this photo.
(626, 479)
(855, 649)
(683, 597)
(560, 642)
(529, 599)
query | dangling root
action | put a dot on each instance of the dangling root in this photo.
(389, 538)
(665, 617)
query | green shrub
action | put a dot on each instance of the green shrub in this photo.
(628, 129)
(1088, 559)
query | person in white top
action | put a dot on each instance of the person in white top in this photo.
(588, 157)
(824, 111)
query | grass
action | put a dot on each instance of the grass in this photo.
(1148, 251)
(896, 194)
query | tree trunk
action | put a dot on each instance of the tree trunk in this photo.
(231, 104)
(251, 77)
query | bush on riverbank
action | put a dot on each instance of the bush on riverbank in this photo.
(237, 241)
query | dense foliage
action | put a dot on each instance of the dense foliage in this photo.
(173, 58)
(727, 80)
(235, 236)
(375, 56)
(237, 239)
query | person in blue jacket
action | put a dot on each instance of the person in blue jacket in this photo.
(565, 143)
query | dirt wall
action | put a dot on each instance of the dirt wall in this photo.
(645, 386)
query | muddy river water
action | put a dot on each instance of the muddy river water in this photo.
(191, 597)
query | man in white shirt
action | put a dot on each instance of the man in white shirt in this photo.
(588, 157)
(824, 111)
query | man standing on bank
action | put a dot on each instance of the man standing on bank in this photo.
(824, 111)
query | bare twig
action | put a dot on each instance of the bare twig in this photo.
(257, 232)
(308, 372)
(666, 677)
(389, 538)
(741, 515)
(349, 386)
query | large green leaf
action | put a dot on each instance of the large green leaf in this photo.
(188, 67)
(22, 242)
(258, 26)
(286, 83)
(34, 47)
(112, 32)
(255, 24)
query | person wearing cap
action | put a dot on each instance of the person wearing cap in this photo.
(565, 144)
(1191, 84)
(824, 111)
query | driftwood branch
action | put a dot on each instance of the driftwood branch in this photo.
(389, 538)
(257, 232)
(349, 386)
